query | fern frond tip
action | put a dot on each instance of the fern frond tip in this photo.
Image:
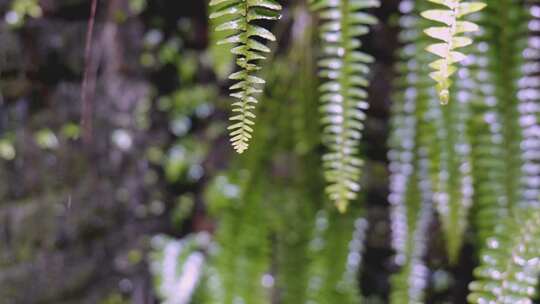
(343, 93)
(246, 39)
(342, 206)
(451, 36)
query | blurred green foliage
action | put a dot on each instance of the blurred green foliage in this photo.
(276, 232)
(258, 228)
(20, 10)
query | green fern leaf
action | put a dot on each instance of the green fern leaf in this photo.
(453, 186)
(343, 93)
(503, 127)
(409, 283)
(336, 251)
(449, 34)
(529, 94)
(411, 142)
(240, 258)
(510, 264)
(240, 16)
(484, 132)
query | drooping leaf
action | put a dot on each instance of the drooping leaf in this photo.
(239, 16)
(451, 17)
(343, 96)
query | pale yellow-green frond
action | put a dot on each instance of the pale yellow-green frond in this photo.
(451, 36)
(239, 17)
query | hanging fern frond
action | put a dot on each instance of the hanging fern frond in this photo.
(407, 111)
(408, 285)
(297, 197)
(510, 264)
(412, 213)
(411, 200)
(248, 51)
(484, 134)
(410, 144)
(239, 260)
(454, 191)
(502, 129)
(439, 132)
(529, 109)
(336, 251)
(506, 40)
(344, 92)
(510, 261)
(451, 40)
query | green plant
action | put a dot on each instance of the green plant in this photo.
(343, 94)
(464, 172)
(437, 131)
(451, 39)
(410, 144)
(499, 109)
(464, 142)
(510, 263)
(248, 51)
(20, 10)
(283, 220)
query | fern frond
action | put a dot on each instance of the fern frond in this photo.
(484, 136)
(298, 199)
(510, 264)
(439, 132)
(506, 128)
(412, 212)
(529, 109)
(343, 98)
(239, 260)
(408, 285)
(336, 250)
(454, 189)
(502, 129)
(410, 224)
(248, 51)
(410, 184)
(449, 34)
